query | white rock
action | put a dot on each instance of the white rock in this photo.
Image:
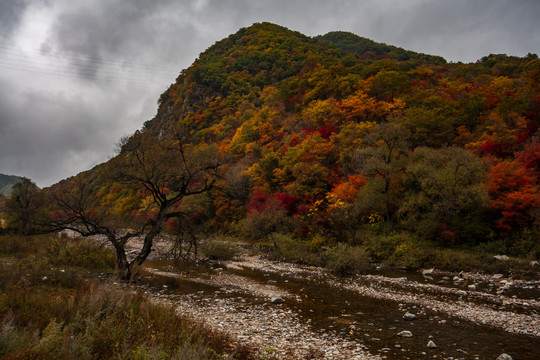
(504, 356)
(501, 257)
(405, 333)
(428, 271)
(409, 316)
(472, 287)
(431, 345)
(507, 286)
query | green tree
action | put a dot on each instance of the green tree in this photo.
(386, 85)
(383, 164)
(24, 206)
(445, 194)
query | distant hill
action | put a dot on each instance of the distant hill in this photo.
(7, 182)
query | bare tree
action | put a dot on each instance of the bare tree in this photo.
(164, 171)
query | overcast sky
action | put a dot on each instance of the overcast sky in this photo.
(76, 75)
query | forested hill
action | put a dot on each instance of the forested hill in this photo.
(341, 138)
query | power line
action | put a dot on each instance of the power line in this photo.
(69, 74)
(69, 56)
(87, 67)
(20, 60)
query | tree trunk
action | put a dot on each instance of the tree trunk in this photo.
(148, 242)
(388, 219)
(123, 268)
(387, 206)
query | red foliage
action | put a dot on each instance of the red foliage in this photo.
(307, 130)
(494, 148)
(448, 236)
(260, 201)
(295, 140)
(257, 202)
(326, 131)
(530, 157)
(513, 195)
(288, 202)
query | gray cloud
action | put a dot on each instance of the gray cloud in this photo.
(94, 69)
(11, 12)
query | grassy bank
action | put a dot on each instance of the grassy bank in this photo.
(52, 308)
(398, 250)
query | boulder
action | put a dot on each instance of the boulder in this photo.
(428, 271)
(507, 286)
(504, 356)
(472, 287)
(405, 333)
(501, 257)
(277, 300)
(431, 344)
(408, 316)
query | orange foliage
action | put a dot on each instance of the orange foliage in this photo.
(347, 191)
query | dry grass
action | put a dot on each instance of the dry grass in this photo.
(51, 309)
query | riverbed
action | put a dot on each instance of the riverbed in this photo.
(290, 311)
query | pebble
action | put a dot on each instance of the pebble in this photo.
(431, 344)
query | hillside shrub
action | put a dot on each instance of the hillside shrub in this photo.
(344, 259)
(219, 249)
(288, 248)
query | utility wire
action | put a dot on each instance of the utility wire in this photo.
(69, 74)
(80, 65)
(66, 56)
(21, 61)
